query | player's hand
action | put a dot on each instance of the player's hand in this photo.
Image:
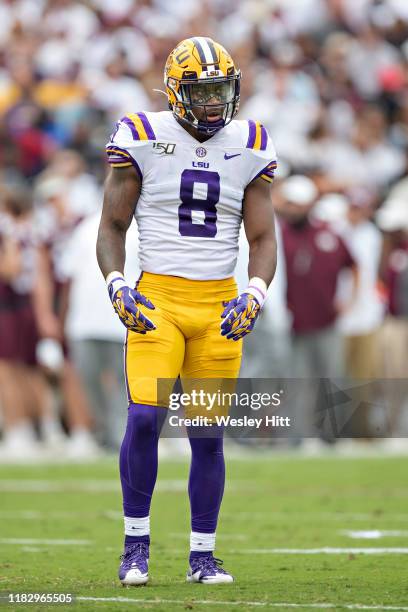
(239, 316)
(125, 302)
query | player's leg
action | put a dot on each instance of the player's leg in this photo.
(158, 354)
(206, 489)
(138, 473)
(216, 361)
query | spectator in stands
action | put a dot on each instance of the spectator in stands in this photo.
(393, 220)
(360, 322)
(24, 394)
(57, 216)
(96, 343)
(314, 257)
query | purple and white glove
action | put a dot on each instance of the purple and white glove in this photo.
(125, 301)
(240, 314)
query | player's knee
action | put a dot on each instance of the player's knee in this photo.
(145, 421)
(205, 447)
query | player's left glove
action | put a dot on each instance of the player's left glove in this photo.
(125, 302)
(240, 314)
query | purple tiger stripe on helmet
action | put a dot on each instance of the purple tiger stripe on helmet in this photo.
(252, 134)
(148, 128)
(264, 138)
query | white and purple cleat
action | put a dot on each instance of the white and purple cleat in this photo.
(133, 571)
(207, 569)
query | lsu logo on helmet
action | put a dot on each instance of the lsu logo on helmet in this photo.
(202, 84)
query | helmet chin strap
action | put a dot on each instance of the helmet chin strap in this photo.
(207, 127)
(202, 127)
(210, 128)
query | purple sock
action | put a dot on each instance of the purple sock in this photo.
(206, 482)
(138, 462)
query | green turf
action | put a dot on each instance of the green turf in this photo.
(270, 502)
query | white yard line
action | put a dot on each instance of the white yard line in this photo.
(319, 606)
(333, 516)
(96, 486)
(272, 516)
(32, 549)
(319, 551)
(241, 551)
(35, 515)
(56, 486)
(45, 542)
(373, 534)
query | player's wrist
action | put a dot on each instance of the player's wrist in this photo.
(115, 281)
(258, 288)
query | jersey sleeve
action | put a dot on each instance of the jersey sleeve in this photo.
(129, 143)
(261, 154)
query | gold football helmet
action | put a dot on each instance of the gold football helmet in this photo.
(202, 84)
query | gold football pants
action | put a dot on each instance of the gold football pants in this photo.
(186, 342)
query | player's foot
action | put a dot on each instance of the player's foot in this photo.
(133, 571)
(207, 570)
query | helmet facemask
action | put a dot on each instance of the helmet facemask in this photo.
(207, 104)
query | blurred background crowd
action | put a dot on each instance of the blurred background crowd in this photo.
(328, 78)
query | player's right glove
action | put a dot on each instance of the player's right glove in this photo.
(125, 302)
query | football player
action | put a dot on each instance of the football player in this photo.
(189, 175)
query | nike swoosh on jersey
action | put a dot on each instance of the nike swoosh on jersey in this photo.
(226, 156)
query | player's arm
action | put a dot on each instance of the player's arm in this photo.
(122, 190)
(239, 315)
(259, 224)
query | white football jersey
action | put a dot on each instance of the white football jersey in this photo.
(190, 207)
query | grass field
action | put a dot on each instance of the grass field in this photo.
(61, 531)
